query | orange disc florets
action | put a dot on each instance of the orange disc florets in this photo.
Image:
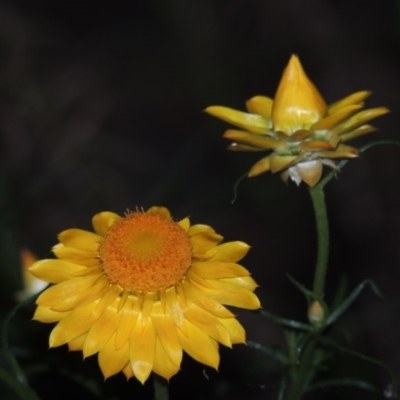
(145, 252)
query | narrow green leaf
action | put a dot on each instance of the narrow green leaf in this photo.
(344, 382)
(236, 187)
(275, 353)
(285, 322)
(350, 299)
(23, 392)
(308, 293)
(330, 342)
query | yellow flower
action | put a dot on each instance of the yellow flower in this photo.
(142, 289)
(301, 130)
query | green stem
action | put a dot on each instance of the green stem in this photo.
(160, 388)
(321, 216)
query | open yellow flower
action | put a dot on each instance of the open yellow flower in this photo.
(141, 289)
(301, 130)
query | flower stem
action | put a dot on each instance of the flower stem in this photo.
(160, 388)
(321, 216)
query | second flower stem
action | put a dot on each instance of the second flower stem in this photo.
(318, 200)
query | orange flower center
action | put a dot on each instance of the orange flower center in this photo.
(145, 252)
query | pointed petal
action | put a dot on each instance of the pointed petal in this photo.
(173, 307)
(278, 163)
(250, 122)
(80, 239)
(343, 151)
(102, 221)
(129, 317)
(77, 256)
(259, 167)
(310, 171)
(313, 145)
(184, 224)
(128, 372)
(354, 98)
(242, 147)
(101, 331)
(218, 269)
(73, 325)
(227, 252)
(359, 119)
(199, 346)
(161, 211)
(244, 281)
(167, 334)
(208, 323)
(194, 229)
(142, 346)
(162, 364)
(77, 343)
(336, 118)
(54, 271)
(232, 295)
(198, 297)
(361, 130)
(202, 241)
(261, 141)
(46, 314)
(260, 105)
(112, 360)
(235, 329)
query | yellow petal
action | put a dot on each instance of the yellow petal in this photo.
(361, 130)
(108, 297)
(314, 145)
(128, 372)
(354, 98)
(250, 122)
(208, 323)
(343, 151)
(261, 141)
(218, 269)
(77, 343)
(336, 118)
(173, 307)
(69, 300)
(243, 147)
(73, 325)
(80, 239)
(162, 363)
(46, 314)
(147, 305)
(260, 105)
(297, 102)
(102, 221)
(112, 360)
(129, 317)
(310, 172)
(359, 119)
(235, 329)
(77, 256)
(228, 252)
(232, 295)
(244, 281)
(199, 345)
(259, 167)
(202, 241)
(194, 229)
(54, 271)
(197, 296)
(101, 331)
(167, 334)
(142, 346)
(184, 224)
(161, 211)
(278, 163)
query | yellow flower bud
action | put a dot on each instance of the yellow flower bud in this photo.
(297, 104)
(316, 314)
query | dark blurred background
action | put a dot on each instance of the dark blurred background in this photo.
(101, 109)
